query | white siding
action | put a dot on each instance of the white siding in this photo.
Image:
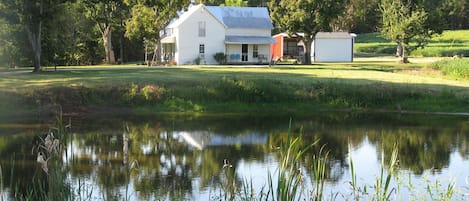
(188, 40)
(265, 51)
(231, 51)
(332, 50)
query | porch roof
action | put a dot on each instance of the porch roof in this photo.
(249, 40)
(168, 39)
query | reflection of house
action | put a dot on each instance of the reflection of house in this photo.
(327, 47)
(200, 140)
(242, 33)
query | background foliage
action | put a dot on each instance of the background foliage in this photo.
(72, 37)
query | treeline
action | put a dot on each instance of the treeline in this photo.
(86, 32)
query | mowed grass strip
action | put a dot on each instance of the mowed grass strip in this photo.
(447, 44)
(363, 84)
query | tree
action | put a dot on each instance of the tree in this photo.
(360, 16)
(239, 3)
(149, 17)
(305, 16)
(405, 24)
(31, 15)
(104, 13)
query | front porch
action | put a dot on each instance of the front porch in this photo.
(248, 50)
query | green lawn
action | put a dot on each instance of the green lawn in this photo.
(448, 44)
(364, 84)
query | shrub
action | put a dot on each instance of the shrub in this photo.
(453, 67)
(197, 60)
(220, 57)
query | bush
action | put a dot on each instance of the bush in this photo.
(220, 57)
(197, 60)
(457, 68)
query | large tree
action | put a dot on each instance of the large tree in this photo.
(360, 16)
(149, 17)
(30, 15)
(307, 17)
(408, 25)
(106, 14)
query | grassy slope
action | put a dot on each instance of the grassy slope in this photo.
(449, 43)
(362, 84)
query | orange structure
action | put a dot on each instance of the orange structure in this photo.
(286, 47)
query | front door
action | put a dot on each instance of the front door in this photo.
(244, 52)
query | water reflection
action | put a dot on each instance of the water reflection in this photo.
(180, 157)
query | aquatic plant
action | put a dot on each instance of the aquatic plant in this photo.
(289, 176)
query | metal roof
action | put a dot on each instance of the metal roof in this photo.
(332, 35)
(249, 40)
(242, 17)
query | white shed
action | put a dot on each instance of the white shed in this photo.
(332, 47)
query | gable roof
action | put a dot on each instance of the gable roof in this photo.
(183, 17)
(232, 17)
(242, 17)
(331, 35)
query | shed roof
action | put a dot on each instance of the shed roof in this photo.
(333, 35)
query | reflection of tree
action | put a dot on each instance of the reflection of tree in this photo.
(419, 149)
(165, 163)
(168, 166)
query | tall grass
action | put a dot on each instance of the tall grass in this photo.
(382, 185)
(289, 184)
(457, 68)
(51, 183)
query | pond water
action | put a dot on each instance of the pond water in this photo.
(178, 157)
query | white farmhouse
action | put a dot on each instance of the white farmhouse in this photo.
(243, 34)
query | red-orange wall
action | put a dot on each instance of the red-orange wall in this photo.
(276, 48)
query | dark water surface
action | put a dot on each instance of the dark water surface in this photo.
(177, 157)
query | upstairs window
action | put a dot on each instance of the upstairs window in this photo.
(202, 29)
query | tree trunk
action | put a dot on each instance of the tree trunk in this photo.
(401, 53)
(121, 38)
(35, 41)
(107, 42)
(399, 50)
(307, 41)
(34, 36)
(121, 48)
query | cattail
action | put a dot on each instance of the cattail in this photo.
(40, 159)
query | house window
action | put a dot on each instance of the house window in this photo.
(201, 29)
(255, 51)
(201, 49)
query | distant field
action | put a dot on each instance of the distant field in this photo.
(448, 44)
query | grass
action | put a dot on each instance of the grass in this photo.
(456, 68)
(448, 44)
(363, 84)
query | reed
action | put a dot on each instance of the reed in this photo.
(50, 183)
(289, 184)
(319, 173)
(382, 185)
(383, 190)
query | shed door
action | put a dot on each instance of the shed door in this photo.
(244, 52)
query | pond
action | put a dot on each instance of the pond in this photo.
(211, 157)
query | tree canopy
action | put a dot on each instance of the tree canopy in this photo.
(407, 24)
(82, 32)
(307, 17)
